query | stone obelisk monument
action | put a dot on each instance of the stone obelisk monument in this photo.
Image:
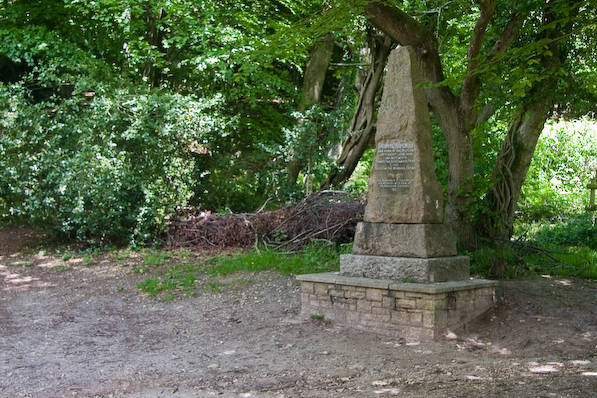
(404, 278)
(403, 236)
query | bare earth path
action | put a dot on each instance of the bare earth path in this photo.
(88, 332)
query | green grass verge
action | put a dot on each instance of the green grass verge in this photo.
(313, 259)
(186, 276)
(569, 261)
(565, 261)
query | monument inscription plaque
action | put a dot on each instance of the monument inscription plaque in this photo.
(395, 164)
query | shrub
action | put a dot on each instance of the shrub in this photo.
(575, 230)
(110, 171)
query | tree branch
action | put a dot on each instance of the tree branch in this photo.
(487, 112)
(507, 36)
(474, 47)
(470, 84)
(398, 25)
(406, 31)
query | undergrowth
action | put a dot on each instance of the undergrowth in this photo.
(525, 260)
(563, 247)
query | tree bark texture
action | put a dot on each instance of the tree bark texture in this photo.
(362, 126)
(511, 167)
(313, 81)
(517, 150)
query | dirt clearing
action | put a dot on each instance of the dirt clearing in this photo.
(69, 329)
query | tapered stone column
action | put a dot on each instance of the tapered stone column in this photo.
(403, 237)
(404, 277)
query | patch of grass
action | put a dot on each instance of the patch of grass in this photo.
(182, 253)
(151, 286)
(121, 255)
(21, 263)
(565, 261)
(214, 286)
(119, 288)
(61, 267)
(317, 317)
(67, 256)
(178, 277)
(313, 259)
(88, 260)
(183, 277)
(482, 259)
(531, 260)
(572, 230)
(156, 258)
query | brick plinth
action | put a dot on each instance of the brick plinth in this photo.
(412, 311)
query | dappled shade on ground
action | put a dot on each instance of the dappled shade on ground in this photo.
(87, 331)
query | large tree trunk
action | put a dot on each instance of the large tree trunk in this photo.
(511, 168)
(460, 184)
(519, 145)
(313, 80)
(362, 126)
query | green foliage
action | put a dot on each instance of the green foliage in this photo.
(482, 260)
(115, 170)
(194, 105)
(111, 171)
(573, 231)
(359, 180)
(528, 260)
(311, 260)
(88, 260)
(565, 261)
(561, 168)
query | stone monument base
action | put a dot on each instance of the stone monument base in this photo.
(406, 269)
(404, 240)
(411, 311)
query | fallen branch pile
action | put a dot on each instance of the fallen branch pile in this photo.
(330, 216)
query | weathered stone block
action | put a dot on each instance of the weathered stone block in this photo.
(307, 287)
(415, 317)
(354, 293)
(405, 303)
(320, 289)
(404, 240)
(363, 306)
(400, 317)
(374, 294)
(405, 269)
(381, 311)
(388, 302)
